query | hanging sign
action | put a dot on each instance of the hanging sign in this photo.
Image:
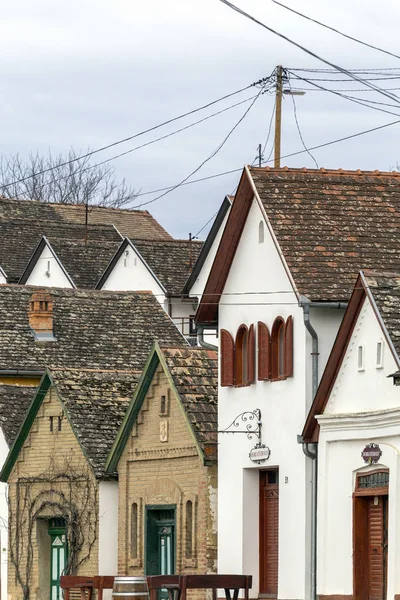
(259, 454)
(371, 453)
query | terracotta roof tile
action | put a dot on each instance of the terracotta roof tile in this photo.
(330, 224)
(14, 403)
(131, 223)
(171, 261)
(93, 329)
(96, 402)
(385, 289)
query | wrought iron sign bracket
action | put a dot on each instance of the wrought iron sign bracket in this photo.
(248, 422)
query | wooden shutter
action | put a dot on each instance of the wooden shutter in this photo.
(227, 358)
(264, 354)
(288, 367)
(251, 349)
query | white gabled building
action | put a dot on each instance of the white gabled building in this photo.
(162, 267)
(197, 280)
(355, 418)
(284, 270)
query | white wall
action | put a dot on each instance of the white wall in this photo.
(364, 407)
(197, 288)
(180, 312)
(258, 268)
(2, 277)
(108, 529)
(48, 263)
(131, 274)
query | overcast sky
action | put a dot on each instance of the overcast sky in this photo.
(86, 73)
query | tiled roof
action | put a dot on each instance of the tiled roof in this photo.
(132, 223)
(93, 329)
(84, 263)
(195, 375)
(14, 403)
(20, 237)
(96, 402)
(385, 289)
(171, 261)
(330, 224)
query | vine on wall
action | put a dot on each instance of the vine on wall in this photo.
(62, 491)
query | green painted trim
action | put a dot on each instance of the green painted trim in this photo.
(133, 409)
(147, 508)
(25, 427)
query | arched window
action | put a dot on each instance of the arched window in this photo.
(241, 356)
(278, 349)
(289, 347)
(261, 232)
(264, 352)
(227, 351)
(189, 529)
(134, 530)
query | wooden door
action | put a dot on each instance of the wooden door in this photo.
(377, 547)
(269, 532)
(370, 547)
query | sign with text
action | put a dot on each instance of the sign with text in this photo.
(259, 454)
(371, 453)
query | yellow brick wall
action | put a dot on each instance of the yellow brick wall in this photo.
(155, 472)
(46, 455)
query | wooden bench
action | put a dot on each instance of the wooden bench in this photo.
(177, 585)
(86, 585)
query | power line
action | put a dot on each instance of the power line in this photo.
(214, 153)
(204, 226)
(336, 93)
(336, 30)
(300, 134)
(307, 51)
(341, 90)
(163, 137)
(338, 140)
(131, 137)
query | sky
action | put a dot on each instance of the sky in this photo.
(85, 74)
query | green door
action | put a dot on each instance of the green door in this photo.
(58, 556)
(160, 542)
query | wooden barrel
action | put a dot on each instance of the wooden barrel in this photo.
(130, 587)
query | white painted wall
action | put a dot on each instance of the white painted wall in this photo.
(197, 289)
(47, 262)
(108, 529)
(364, 407)
(180, 312)
(131, 274)
(257, 268)
(3, 520)
(2, 277)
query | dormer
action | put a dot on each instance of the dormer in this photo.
(40, 316)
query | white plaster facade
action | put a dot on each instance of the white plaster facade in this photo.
(48, 271)
(3, 278)
(363, 407)
(108, 530)
(253, 294)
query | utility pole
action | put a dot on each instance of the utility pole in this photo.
(278, 116)
(259, 155)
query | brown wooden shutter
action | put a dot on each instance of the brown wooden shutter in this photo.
(227, 358)
(251, 358)
(264, 354)
(289, 347)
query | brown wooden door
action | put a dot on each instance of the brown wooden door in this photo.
(269, 532)
(377, 546)
(370, 547)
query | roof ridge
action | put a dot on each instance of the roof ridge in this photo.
(73, 205)
(85, 370)
(322, 170)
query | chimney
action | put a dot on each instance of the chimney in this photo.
(41, 314)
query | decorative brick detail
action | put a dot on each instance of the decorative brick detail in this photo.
(41, 312)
